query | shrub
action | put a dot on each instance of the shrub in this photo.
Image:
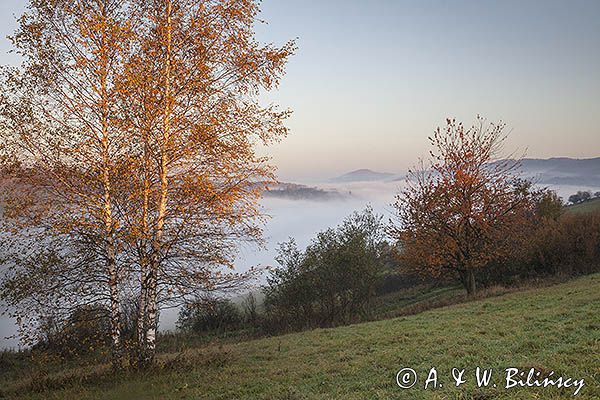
(208, 316)
(330, 282)
(568, 245)
(86, 330)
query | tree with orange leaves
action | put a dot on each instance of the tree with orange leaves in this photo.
(58, 119)
(133, 126)
(464, 210)
(194, 84)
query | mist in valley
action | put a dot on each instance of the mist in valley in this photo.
(302, 220)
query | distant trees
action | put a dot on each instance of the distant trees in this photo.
(332, 280)
(466, 208)
(130, 132)
(581, 196)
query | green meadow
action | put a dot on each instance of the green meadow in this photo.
(585, 207)
(555, 328)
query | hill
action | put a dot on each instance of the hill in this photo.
(294, 191)
(549, 329)
(563, 171)
(363, 175)
(585, 207)
(559, 171)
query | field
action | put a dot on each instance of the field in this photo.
(585, 207)
(551, 329)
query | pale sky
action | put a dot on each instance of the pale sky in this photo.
(372, 79)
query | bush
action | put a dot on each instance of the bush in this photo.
(212, 315)
(330, 282)
(86, 330)
(568, 245)
(250, 307)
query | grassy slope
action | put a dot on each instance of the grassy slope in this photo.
(585, 207)
(554, 328)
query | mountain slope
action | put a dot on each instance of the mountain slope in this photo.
(563, 171)
(551, 329)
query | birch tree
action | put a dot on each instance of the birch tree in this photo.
(57, 118)
(133, 130)
(196, 80)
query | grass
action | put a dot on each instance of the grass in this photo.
(585, 207)
(414, 300)
(551, 329)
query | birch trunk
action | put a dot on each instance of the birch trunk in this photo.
(115, 314)
(152, 323)
(142, 322)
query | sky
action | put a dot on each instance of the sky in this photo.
(372, 79)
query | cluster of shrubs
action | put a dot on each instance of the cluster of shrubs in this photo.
(86, 330)
(333, 280)
(558, 243)
(210, 315)
(329, 283)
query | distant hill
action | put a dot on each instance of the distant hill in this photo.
(563, 171)
(294, 191)
(363, 175)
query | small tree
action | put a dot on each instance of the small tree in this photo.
(548, 205)
(465, 209)
(250, 307)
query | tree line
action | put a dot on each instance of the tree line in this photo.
(582, 196)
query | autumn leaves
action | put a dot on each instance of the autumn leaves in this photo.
(139, 121)
(467, 208)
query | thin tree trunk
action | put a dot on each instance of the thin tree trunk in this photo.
(115, 313)
(150, 349)
(111, 266)
(142, 320)
(470, 282)
(140, 345)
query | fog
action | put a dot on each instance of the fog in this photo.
(300, 219)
